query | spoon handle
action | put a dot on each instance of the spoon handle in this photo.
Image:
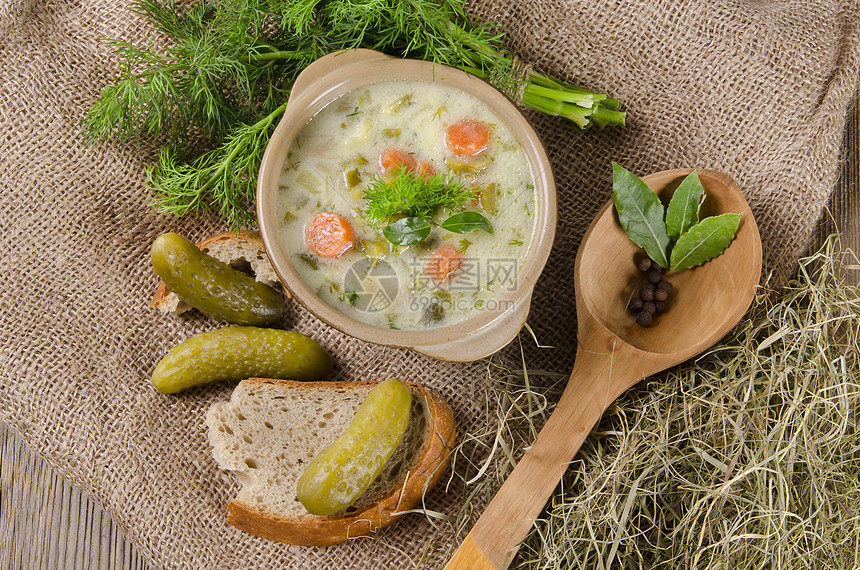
(597, 379)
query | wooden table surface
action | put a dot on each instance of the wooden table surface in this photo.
(47, 523)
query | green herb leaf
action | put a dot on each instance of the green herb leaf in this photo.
(310, 260)
(466, 222)
(350, 297)
(641, 214)
(704, 241)
(683, 210)
(407, 231)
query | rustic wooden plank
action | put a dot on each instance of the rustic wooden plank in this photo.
(7, 547)
(46, 523)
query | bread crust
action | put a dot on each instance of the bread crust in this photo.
(313, 530)
(161, 299)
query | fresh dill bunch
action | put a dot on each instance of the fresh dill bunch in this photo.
(438, 31)
(224, 178)
(408, 194)
(139, 102)
(214, 74)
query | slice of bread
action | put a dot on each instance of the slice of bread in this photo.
(269, 432)
(244, 251)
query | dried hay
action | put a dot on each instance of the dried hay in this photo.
(746, 457)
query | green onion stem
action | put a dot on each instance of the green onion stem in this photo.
(544, 81)
(579, 115)
(587, 100)
(561, 100)
(611, 116)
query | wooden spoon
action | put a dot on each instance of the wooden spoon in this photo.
(614, 353)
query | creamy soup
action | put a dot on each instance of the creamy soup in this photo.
(417, 268)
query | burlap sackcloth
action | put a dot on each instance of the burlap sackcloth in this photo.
(756, 89)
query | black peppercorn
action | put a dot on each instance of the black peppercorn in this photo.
(646, 292)
(653, 293)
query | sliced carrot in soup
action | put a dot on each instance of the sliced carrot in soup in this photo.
(392, 158)
(467, 137)
(329, 234)
(425, 169)
(444, 263)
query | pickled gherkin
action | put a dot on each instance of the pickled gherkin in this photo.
(235, 353)
(489, 198)
(344, 470)
(213, 287)
(466, 167)
(352, 178)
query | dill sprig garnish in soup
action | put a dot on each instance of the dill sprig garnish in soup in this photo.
(407, 205)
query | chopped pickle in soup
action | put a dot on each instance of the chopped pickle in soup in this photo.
(466, 246)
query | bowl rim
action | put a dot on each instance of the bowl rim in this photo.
(366, 67)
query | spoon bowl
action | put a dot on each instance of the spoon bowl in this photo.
(614, 353)
(704, 303)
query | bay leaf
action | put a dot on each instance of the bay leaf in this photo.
(465, 222)
(682, 213)
(641, 214)
(407, 231)
(704, 241)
